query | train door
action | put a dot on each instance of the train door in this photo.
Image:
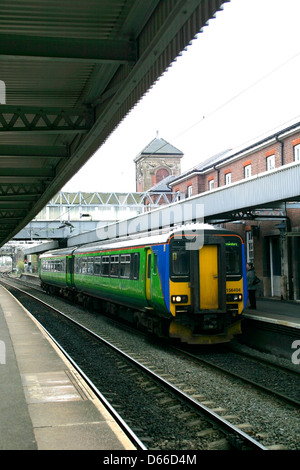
(148, 273)
(209, 278)
(70, 270)
(275, 266)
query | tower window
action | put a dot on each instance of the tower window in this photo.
(161, 174)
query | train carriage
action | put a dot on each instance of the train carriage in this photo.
(187, 283)
(54, 269)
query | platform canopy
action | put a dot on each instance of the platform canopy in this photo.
(70, 71)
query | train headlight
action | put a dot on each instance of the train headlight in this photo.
(179, 299)
(234, 297)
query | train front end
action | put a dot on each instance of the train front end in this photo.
(208, 287)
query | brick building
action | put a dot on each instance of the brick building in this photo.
(272, 238)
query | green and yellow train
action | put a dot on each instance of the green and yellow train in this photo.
(187, 283)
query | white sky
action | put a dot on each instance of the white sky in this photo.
(237, 81)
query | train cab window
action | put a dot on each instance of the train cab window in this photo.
(97, 266)
(125, 266)
(233, 259)
(180, 263)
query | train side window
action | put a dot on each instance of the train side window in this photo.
(90, 266)
(105, 266)
(77, 265)
(63, 266)
(135, 266)
(78, 261)
(80, 265)
(155, 264)
(114, 266)
(149, 266)
(97, 266)
(125, 266)
(83, 266)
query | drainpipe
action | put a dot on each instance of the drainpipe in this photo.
(282, 147)
(218, 175)
(289, 260)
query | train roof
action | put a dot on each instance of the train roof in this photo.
(59, 252)
(138, 239)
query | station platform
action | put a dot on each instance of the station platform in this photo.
(279, 312)
(45, 405)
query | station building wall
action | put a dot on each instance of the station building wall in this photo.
(272, 244)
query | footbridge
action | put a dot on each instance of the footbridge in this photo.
(69, 74)
(77, 213)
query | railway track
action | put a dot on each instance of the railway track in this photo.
(263, 432)
(270, 378)
(242, 366)
(159, 412)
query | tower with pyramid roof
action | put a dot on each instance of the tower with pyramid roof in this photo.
(156, 161)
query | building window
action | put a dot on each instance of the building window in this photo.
(178, 195)
(297, 153)
(211, 185)
(228, 178)
(247, 171)
(270, 162)
(190, 191)
(161, 174)
(249, 247)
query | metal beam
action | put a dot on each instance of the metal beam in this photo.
(11, 190)
(24, 172)
(16, 214)
(11, 205)
(33, 151)
(45, 120)
(20, 47)
(9, 220)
